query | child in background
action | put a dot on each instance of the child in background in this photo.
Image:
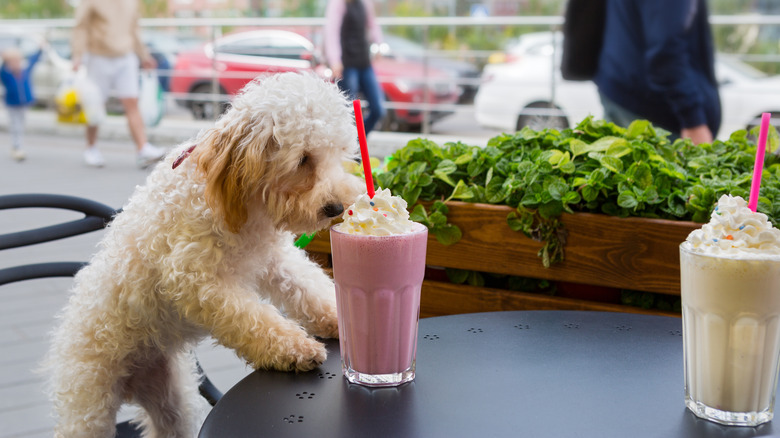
(15, 77)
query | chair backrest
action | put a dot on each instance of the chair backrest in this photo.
(96, 217)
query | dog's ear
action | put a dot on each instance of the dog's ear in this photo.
(233, 160)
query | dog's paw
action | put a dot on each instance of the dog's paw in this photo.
(303, 354)
(326, 326)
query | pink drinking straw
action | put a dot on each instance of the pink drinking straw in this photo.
(364, 148)
(758, 167)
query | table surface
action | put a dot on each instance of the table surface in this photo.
(528, 373)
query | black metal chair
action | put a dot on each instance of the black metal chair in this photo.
(96, 217)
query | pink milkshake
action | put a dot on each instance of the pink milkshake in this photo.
(378, 267)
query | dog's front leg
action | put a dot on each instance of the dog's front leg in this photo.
(304, 291)
(257, 331)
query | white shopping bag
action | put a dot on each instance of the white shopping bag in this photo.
(150, 99)
(90, 99)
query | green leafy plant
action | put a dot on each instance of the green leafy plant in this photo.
(596, 167)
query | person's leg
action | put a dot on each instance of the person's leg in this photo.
(125, 84)
(134, 121)
(127, 90)
(16, 128)
(372, 90)
(92, 132)
(98, 73)
(350, 82)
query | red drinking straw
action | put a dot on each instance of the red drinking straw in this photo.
(758, 167)
(363, 148)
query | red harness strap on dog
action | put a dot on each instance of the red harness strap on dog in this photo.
(183, 155)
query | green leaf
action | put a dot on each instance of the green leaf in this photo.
(639, 128)
(411, 194)
(772, 139)
(515, 222)
(475, 279)
(627, 199)
(419, 214)
(416, 169)
(441, 207)
(437, 219)
(604, 143)
(590, 193)
(571, 197)
(553, 156)
(446, 167)
(568, 168)
(457, 276)
(612, 163)
(619, 148)
(463, 159)
(448, 234)
(578, 147)
(444, 177)
(557, 189)
(461, 191)
(425, 180)
(640, 174)
(551, 209)
(496, 190)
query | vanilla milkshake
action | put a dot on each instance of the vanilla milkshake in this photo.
(730, 287)
(378, 268)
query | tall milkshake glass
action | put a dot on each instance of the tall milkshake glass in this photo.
(730, 287)
(731, 326)
(378, 281)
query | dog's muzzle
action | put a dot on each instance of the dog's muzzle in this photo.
(332, 210)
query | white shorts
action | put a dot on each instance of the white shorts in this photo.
(117, 76)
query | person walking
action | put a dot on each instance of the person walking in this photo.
(657, 63)
(107, 40)
(16, 80)
(348, 26)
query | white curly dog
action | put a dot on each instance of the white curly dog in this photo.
(205, 247)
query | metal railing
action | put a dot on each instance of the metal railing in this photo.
(211, 28)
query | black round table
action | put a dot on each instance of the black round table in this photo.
(501, 374)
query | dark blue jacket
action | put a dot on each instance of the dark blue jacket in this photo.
(657, 61)
(18, 89)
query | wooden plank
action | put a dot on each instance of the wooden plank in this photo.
(630, 253)
(439, 298)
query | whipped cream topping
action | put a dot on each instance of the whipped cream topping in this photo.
(734, 230)
(382, 215)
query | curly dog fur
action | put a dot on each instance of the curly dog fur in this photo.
(206, 248)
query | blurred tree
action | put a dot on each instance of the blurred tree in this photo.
(154, 8)
(306, 8)
(35, 9)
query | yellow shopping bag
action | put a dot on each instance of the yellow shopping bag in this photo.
(68, 106)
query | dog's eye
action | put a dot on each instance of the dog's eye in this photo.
(303, 161)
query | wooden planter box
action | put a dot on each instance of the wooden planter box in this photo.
(627, 253)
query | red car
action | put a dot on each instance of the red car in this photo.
(240, 57)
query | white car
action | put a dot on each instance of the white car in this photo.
(529, 91)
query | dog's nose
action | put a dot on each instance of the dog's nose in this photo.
(332, 210)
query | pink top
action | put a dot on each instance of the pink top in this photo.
(334, 14)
